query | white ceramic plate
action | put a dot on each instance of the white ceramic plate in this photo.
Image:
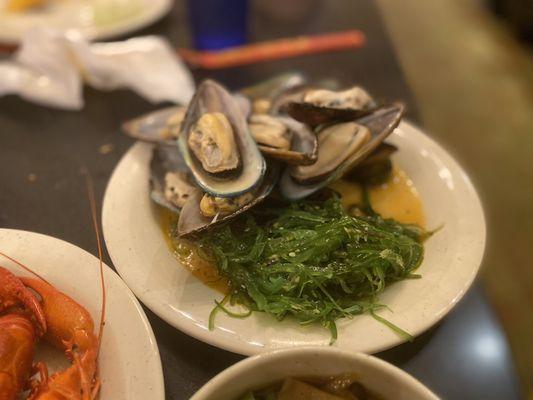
(140, 253)
(378, 376)
(95, 19)
(130, 367)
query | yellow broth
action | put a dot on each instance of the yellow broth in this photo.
(188, 255)
(397, 198)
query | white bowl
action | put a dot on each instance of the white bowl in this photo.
(376, 375)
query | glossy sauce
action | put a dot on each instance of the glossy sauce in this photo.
(397, 198)
(186, 253)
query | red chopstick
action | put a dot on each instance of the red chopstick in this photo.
(274, 50)
(265, 51)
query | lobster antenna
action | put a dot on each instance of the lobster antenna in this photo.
(24, 267)
(92, 203)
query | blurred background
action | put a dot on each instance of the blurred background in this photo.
(469, 65)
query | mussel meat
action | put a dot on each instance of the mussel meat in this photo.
(212, 141)
(298, 144)
(214, 114)
(269, 131)
(211, 206)
(177, 188)
(353, 98)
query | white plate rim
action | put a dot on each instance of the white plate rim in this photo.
(257, 361)
(146, 18)
(159, 387)
(241, 347)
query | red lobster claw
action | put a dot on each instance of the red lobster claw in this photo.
(17, 298)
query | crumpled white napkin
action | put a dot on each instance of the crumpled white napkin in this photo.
(50, 68)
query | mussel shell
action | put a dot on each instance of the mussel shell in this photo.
(371, 174)
(192, 221)
(154, 126)
(244, 104)
(164, 159)
(212, 97)
(304, 146)
(296, 94)
(381, 123)
(376, 168)
(337, 143)
(382, 152)
(313, 115)
(273, 86)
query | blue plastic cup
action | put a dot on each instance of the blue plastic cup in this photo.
(217, 24)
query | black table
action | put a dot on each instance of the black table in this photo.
(464, 357)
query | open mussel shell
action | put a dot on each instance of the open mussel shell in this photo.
(315, 106)
(296, 94)
(304, 146)
(164, 159)
(313, 115)
(243, 103)
(211, 97)
(192, 221)
(161, 126)
(380, 124)
(337, 143)
(272, 87)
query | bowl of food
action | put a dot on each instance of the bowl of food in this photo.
(313, 373)
(291, 214)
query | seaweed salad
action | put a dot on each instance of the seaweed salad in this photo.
(312, 260)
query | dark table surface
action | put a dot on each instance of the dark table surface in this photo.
(465, 357)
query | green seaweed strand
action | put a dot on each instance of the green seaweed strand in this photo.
(312, 261)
